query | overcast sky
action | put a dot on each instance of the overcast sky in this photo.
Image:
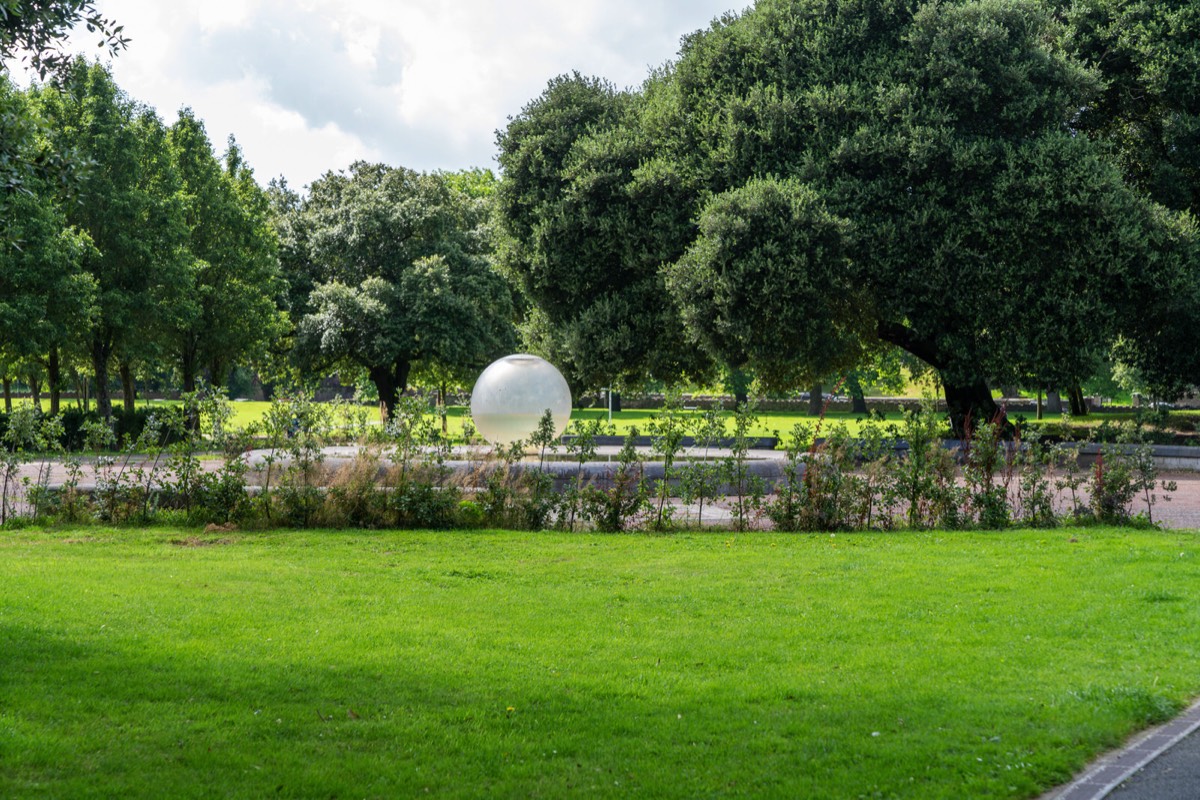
(309, 86)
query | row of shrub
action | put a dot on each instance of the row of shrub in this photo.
(126, 425)
(401, 475)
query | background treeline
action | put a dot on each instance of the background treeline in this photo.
(146, 254)
(814, 192)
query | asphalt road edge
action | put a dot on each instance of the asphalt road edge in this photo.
(1112, 769)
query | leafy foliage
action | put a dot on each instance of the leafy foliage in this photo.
(131, 205)
(401, 274)
(586, 235)
(911, 173)
(229, 310)
(45, 292)
(35, 31)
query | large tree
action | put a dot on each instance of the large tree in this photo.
(905, 172)
(129, 202)
(42, 253)
(400, 263)
(35, 32)
(230, 309)
(585, 237)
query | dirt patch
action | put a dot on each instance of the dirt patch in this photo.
(197, 541)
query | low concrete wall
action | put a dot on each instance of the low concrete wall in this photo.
(601, 474)
(753, 443)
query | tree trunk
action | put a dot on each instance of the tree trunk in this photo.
(390, 382)
(35, 391)
(1039, 404)
(615, 402)
(54, 379)
(442, 406)
(101, 352)
(7, 394)
(1078, 404)
(189, 387)
(128, 392)
(966, 400)
(1053, 402)
(220, 375)
(741, 397)
(971, 405)
(187, 368)
(816, 402)
(858, 401)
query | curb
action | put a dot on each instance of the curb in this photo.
(1112, 769)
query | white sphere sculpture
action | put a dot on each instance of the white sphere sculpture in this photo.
(512, 394)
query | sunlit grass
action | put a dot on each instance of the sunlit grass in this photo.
(164, 663)
(770, 423)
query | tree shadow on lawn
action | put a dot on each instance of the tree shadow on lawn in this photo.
(111, 716)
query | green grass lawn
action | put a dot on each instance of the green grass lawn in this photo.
(163, 663)
(770, 423)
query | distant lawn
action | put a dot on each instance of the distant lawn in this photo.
(164, 663)
(770, 423)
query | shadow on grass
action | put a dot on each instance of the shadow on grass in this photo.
(125, 714)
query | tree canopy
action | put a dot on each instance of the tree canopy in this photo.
(586, 238)
(843, 173)
(400, 268)
(130, 203)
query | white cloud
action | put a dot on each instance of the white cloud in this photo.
(311, 85)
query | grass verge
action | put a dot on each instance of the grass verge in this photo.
(163, 663)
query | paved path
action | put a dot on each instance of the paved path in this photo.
(1182, 510)
(1175, 775)
(1162, 763)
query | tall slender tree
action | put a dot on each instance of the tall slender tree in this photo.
(231, 305)
(46, 297)
(129, 202)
